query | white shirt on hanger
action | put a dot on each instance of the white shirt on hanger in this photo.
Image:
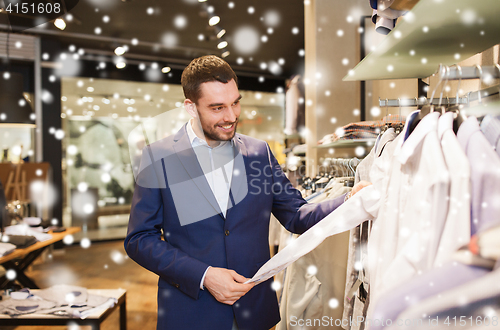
(411, 220)
(457, 230)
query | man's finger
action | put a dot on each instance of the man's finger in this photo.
(240, 289)
(239, 278)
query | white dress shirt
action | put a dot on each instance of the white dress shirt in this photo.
(411, 219)
(217, 165)
(457, 230)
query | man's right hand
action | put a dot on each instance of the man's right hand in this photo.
(226, 285)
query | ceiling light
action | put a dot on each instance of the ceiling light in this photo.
(222, 44)
(60, 23)
(121, 65)
(202, 0)
(221, 33)
(166, 69)
(120, 51)
(225, 54)
(214, 20)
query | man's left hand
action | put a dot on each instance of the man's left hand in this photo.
(360, 185)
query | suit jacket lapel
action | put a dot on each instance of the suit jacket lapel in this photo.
(187, 157)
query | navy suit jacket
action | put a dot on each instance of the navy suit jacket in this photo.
(170, 198)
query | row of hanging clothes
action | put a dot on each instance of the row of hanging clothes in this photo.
(308, 285)
(429, 249)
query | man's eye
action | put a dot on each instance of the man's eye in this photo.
(235, 103)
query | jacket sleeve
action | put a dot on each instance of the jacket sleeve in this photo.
(294, 213)
(145, 246)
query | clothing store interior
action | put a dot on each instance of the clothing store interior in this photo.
(399, 93)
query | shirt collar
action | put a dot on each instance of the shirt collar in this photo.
(388, 136)
(445, 123)
(197, 141)
(425, 126)
(491, 129)
(466, 130)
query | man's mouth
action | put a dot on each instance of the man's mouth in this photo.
(227, 127)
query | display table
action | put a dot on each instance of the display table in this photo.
(93, 320)
(20, 259)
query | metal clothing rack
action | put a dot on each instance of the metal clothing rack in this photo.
(332, 168)
(342, 166)
(453, 73)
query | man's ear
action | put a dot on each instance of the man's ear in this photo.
(190, 107)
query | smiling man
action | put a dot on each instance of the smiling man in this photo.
(212, 205)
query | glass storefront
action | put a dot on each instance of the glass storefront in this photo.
(100, 147)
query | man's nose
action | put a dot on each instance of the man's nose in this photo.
(229, 115)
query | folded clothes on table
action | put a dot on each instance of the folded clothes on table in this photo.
(59, 300)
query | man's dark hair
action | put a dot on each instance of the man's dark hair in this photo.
(204, 69)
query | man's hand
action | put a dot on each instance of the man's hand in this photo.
(360, 185)
(226, 285)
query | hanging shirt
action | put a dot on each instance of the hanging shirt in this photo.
(490, 126)
(306, 295)
(475, 298)
(419, 289)
(485, 175)
(355, 305)
(405, 236)
(457, 230)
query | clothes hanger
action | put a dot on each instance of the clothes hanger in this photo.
(440, 106)
(386, 125)
(399, 127)
(457, 116)
(428, 107)
(349, 182)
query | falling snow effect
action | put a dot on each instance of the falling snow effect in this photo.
(246, 41)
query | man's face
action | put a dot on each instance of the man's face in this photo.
(219, 110)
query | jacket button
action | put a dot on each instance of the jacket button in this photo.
(226, 232)
(176, 285)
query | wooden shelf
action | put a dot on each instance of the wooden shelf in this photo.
(348, 143)
(432, 33)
